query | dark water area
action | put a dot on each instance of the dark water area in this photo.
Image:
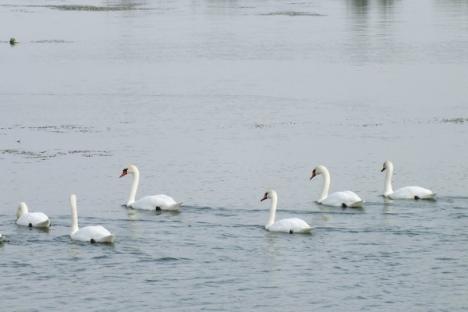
(216, 102)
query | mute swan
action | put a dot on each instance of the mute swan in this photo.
(291, 225)
(407, 192)
(31, 219)
(153, 202)
(337, 199)
(92, 234)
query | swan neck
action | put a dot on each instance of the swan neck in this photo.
(388, 181)
(74, 216)
(274, 204)
(326, 185)
(134, 189)
(22, 210)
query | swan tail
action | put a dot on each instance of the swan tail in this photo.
(357, 204)
(430, 196)
(176, 206)
(43, 224)
(107, 239)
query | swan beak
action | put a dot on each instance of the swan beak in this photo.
(383, 169)
(264, 197)
(312, 176)
(124, 173)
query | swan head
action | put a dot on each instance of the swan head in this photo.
(268, 195)
(387, 165)
(132, 169)
(317, 171)
(22, 209)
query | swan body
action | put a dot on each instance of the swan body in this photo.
(164, 202)
(153, 202)
(31, 219)
(407, 192)
(92, 234)
(291, 225)
(337, 199)
(1, 238)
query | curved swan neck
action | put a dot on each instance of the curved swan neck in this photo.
(388, 180)
(74, 214)
(22, 210)
(274, 204)
(134, 189)
(326, 184)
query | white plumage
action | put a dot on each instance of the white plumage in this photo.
(336, 199)
(153, 202)
(93, 233)
(407, 192)
(291, 225)
(31, 219)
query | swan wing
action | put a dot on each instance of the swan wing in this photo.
(162, 201)
(343, 199)
(412, 192)
(98, 233)
(291, 225)
(35, 219)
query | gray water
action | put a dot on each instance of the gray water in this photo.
(216, 102)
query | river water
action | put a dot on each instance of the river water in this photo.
(217, 102)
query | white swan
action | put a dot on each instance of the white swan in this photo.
(407, 192)
(31, 219)
(338, 199)
(92, 234)
(154, 202)
(1, 238)
(291, 225)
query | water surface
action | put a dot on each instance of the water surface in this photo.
(216, 102)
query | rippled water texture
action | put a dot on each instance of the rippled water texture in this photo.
(216, 102)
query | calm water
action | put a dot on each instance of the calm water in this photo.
(216, 102)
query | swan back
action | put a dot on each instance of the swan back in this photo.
(291, 225)
(22, 210)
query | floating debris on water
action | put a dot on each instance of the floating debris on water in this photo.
(51, 41)
(458, 120)
(78, 7)
(70, 7)
(61, 128)
(372, 125)
(44, 155)
(260, 125)
(13, 41)
(292, 13)
(91, 153)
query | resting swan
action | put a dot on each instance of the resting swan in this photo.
(337, 199)
(154, 202)
(292, 225)
(407, 192)
(31, 219)
(92, 234)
